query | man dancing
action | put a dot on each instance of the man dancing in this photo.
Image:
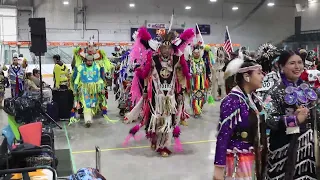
(199, 82)
(89, 88)
(162, 93)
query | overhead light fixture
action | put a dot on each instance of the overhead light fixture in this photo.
(132, 5)
(270, 4)
(312, 1)
(188, 7)
(213, 0)
(234, 8)
(65, 2)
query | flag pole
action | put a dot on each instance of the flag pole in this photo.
(171, 20)
(229, 37)
(200, 33)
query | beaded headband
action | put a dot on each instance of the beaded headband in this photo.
(250, 68)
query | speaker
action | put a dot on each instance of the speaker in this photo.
(38, 35)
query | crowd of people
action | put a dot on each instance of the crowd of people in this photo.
(269, 90)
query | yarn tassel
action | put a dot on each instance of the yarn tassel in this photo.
(104, 113)
(197, 108)
(73, 118)
(177, 145)
(126, 141)
(210, 100)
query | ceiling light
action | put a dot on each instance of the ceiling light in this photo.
(188, 7)
(213, 0)
(65, 2)
(312, 1)
(235, 8)
(132, 5)
(270, 4)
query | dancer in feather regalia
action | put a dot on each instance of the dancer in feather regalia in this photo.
(199, 81)
(268, 56)
(125, 76)
(162, 99)
(88, 82)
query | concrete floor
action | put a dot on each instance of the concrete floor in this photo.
(138, 162)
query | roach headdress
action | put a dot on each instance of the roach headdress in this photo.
(268, 55)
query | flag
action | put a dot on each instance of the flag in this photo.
(199, 36)
(227, 42)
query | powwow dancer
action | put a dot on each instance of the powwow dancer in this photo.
(86, 83)
(241, 142)
(199, 82)
(162, 97)
(310, 74)
(268, 56)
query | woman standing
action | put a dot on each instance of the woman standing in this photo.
(291, 152)
(241, 141)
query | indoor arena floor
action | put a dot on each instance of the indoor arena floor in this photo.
(138, 161)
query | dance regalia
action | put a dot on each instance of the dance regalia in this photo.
(16, 78)
(124, 78)
(86, 83)
(311, 74)
(161, 106)
(269, 80)
(291, 150)
(218, 74)
(199, 85)
(236, 135)
(89, 85)
(241, 144)
(268, 56)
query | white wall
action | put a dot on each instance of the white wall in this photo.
(8, 24)
(114, 20)
(310, 18)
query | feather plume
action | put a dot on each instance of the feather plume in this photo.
(233, 67)
(143, 34)
(187, 34)
(184, 67)
(186, 38)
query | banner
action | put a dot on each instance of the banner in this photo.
(157, 26)
(83, 44)
(205, 29)
(154, 32)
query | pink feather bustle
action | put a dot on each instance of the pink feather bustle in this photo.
(144, 71)
(135, 89)
(144, 34)
(138, 50)
(184, 67)
(187, 38)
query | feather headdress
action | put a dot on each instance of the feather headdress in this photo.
(234, 66)
(267, 53)
(144, 43)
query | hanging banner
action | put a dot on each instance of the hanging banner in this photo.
(205, 29)
(157, 26)
(154, 32)
(82, 44)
